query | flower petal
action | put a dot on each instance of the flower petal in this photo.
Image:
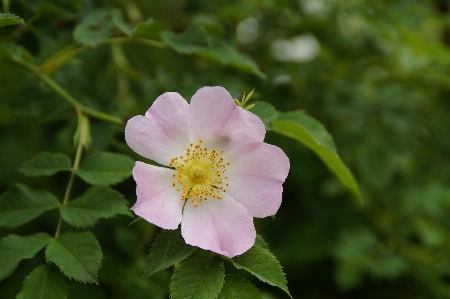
(222, 226)
(157, 201)
(215, 119)
(163, 132)
(255, 179)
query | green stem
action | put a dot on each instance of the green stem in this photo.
(66, 96)
(72, 101)
(76, 165)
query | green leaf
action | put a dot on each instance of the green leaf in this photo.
(237, 287)
(94, 29)
(189, 41)
(261, 263)
(45, 163)
(97, 202)
(20, 204)
(313, 135)
(44, 283)
(201, 275)
(144, 29)
(14, 52)
(10, 19)
(102, 168)
(120, 23)
(15, 248)
(266, 112)
(226, 54)
(168, 249)
(260, 242)
(314, 128)
(77, 254)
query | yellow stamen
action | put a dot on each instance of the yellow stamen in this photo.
(197, 176)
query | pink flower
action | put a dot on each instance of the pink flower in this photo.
(220, 173)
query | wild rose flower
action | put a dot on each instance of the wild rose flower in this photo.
(220, 173)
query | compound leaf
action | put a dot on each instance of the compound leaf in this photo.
(77, 254)
(103, 168)
(45, 163)
(44, 283)
(15, 248)
(199, 276)
(97, 202)
(20, 204)
(262, 264)
(168, 249)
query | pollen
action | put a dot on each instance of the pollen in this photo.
(200, 173)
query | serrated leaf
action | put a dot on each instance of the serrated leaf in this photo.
(226, 54)
(118, 20)
(44, 283)
(189, 41)
(310, 133)
(20, 204)
(200, 276)
(237, 287)
(97, 202)
(144, 29)
(168, 249)
(45, 163)
(102, 168)
(77, 254)
(266, 112)
(94, 28)
(15, 248)
(10, 19)
(260, 242)
(262, 264)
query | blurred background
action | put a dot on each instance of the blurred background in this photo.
(376, 73)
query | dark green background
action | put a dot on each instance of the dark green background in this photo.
(380, 84)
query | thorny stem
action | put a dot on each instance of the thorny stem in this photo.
(76, 165)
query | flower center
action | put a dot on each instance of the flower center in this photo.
(197, 174)
(200, 173)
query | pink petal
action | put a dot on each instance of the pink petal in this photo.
(255, 179)
(163, 132)
(215, 119)
(157, 201)
(222, 226)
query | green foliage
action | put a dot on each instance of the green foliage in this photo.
(102, 168)
(374, 73)
(261, 263)
(167, 249)
(94, 28)
(44, 282)
(45, 163)
(201, 275)
(312, 135)
(119, 22)
(77, 254)
(237, 287)
(15, 248)
(97, 202)
(21, 204)
(144, 29)
(10, 19)
(195, 40)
